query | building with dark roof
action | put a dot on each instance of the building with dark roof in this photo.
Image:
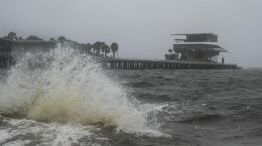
(197, 46)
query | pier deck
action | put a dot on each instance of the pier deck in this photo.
(139, 64)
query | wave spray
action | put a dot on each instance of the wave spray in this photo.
(61, 87)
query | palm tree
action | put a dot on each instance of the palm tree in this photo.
(114, 48)
(11, 35)
(88, 48)
(62, 41)
(97, 47)
(32, 37)
(105, 48)
(69, 44)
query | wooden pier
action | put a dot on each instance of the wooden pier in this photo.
(139, 64)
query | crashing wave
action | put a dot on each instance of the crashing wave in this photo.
(70, 88)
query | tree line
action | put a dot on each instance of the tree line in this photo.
(98, 48)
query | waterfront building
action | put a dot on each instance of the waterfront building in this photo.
(196, 47)
(11, 48)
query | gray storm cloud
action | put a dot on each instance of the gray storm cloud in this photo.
(141, 27)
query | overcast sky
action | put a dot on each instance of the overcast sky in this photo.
(141, 27)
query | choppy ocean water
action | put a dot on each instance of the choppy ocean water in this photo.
(70, 100)
(203, 107)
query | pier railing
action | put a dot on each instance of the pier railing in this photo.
(161, 60)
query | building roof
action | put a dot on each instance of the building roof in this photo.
(6, 44)
(194, 34)
(27, 41)
(196, 37)
(198, 45)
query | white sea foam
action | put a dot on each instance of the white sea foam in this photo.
(70, 88)
(22, 132)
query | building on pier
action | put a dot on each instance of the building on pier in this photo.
(196, 47)
(11, 48)
(190, 51)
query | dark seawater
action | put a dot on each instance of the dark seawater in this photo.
(200, 108)
(205, 107)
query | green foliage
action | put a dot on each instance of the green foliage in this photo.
(61, 39)
(32, 37)
(114, 48)
(95, 48)
(11, 35)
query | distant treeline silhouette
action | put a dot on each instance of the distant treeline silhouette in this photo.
(98, 48)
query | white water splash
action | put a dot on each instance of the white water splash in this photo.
(64, 88)
(29, 132)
